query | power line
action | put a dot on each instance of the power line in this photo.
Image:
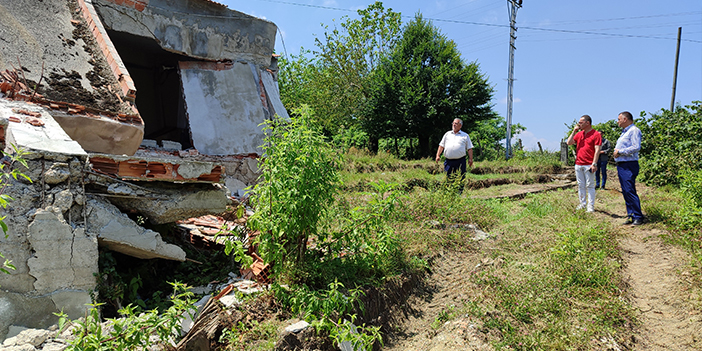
(588, 32)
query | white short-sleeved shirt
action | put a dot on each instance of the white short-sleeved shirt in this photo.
(455, 144)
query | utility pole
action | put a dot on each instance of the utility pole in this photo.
(512, 7)
(675, 72)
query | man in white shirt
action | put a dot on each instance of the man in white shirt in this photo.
(455, 145)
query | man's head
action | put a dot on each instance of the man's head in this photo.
(585, 123)
(457, 124)
(625, 119)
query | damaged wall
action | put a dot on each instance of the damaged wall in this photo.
(55, 228)
(200, 29)
(221, 60)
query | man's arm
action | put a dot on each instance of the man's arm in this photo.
(438, 153)
(571, 137)
(593, 168)
(470, 157)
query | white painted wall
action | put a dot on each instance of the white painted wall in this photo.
(224, 110)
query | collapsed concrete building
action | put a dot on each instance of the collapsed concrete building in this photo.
(139, 106)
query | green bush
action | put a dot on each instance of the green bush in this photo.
(298, 182)
(670, 144)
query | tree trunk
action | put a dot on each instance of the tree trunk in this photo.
(424, 147)
(373, 144)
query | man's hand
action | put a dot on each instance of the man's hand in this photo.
(593, 168)
(615, 153)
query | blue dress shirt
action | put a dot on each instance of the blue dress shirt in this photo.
(629, 144)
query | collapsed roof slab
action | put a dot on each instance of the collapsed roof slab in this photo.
(97, 133)
(174, 201)
(33, 129)
(118, 232)
(200, 29)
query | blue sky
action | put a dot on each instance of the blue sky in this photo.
(596, 57)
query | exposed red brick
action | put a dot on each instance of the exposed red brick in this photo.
(211, 66)
(141, 169)
(28, 113)
(139, 6)
(15, 119)
(5, 87)
(35, 122)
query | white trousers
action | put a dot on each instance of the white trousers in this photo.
(586, 187)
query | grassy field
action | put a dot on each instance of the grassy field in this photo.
(557, 284)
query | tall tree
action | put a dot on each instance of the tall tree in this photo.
(334, 82)
(422, 85)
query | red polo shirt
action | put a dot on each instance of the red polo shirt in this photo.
(585, 146)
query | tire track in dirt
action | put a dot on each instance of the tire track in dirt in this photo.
(445, 287)
(667, 319)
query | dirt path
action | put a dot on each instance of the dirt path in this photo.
(653, 270)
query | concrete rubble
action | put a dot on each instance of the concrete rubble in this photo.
(102, 153)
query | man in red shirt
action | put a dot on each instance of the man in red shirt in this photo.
(587, 143)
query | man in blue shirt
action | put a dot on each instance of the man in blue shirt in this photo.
(626, 155)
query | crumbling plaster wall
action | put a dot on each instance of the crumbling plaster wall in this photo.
(200, 29)
(55, 258)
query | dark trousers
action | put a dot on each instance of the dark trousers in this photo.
(628, 171)
(455, 165)
(601, 168)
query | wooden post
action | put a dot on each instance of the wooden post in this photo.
(564, 152)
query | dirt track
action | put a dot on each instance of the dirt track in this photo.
(654, 271)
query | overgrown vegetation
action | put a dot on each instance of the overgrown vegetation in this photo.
(135, 329)
(324, 256)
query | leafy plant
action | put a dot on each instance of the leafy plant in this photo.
(7, 174)
(135, 329)
(330, 310)
(299, 178)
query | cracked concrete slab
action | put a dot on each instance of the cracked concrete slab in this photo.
(63, 258)
(176, 202)
(117, 232)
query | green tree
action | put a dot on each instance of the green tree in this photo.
(487, 137)
(422, 85)
(334, 82)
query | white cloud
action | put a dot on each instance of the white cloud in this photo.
(529, 141)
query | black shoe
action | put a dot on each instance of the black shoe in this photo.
(602, 188)
(637, 222)
(628, 221)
